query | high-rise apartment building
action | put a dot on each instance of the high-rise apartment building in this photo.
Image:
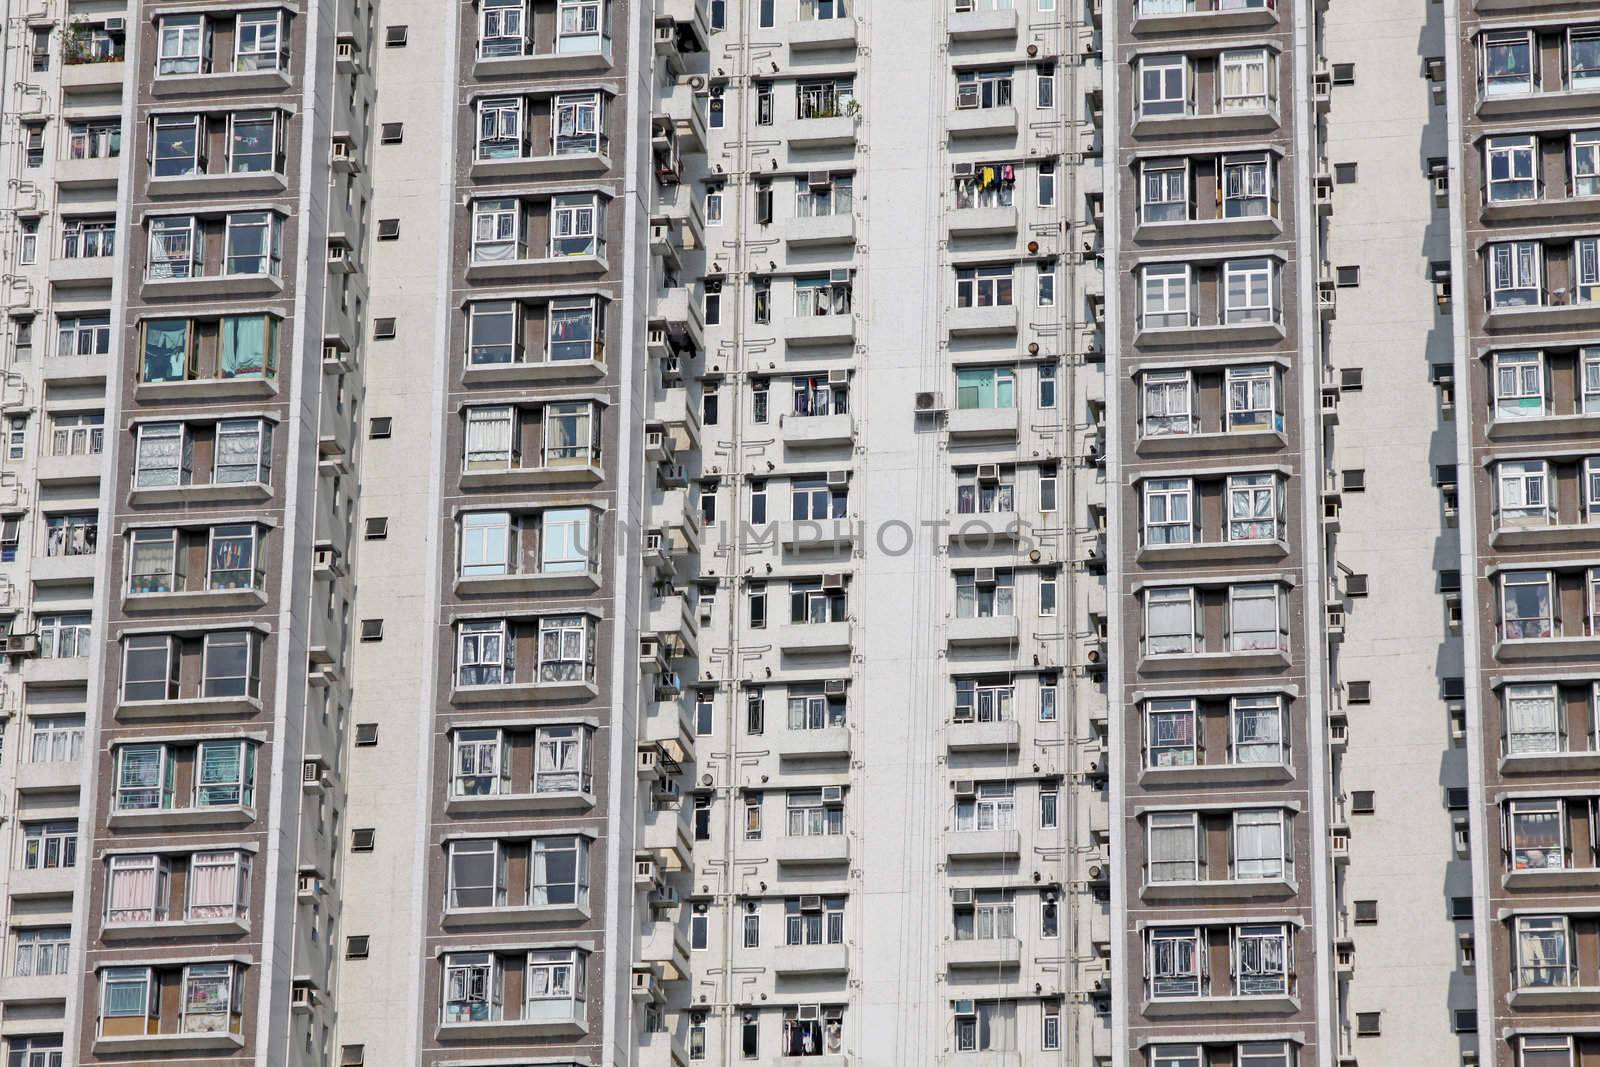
(828, 532)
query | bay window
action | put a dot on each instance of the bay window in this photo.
(254, 243)
(1527, 605)
(582, 26)
(136, 889)
(1170, 621)
(1171, 736)
(480, 762)
(561, 760)
(1583, 59)
(500, 128)
(492, 334)
(496, 235)
(1247, 291)
(1163, 86)
(1168, 511)
(984, 495)
(1256, 730)
(1586, 163)
(1536, 833)
(1507, 63)
(231, 558)
(255, 142)
(1515, 273)
(556, 984)
(219, 886)
(1165, 191)
(477, 875)
(811, 708)
(1175, 962)
(260, 43)
(1168, 403)
(1513, 170)
(1246, 78)
(174, 250)
(1252, 398)
(1533, 719)
(810, 816)
(572, 434)
(821, 295)
(230, 664)
(1255, 621)
(560, 872)
(486, 543)
(1164, 296)
(575, 330)
(1246, 186)
(1254, 512)
(1546, 1050)
(1544, 952)
(502, 29)
(483, 652)
(145, 775)
(1260, 960)
(149, 668)
(566, 648)
(175, 146)
(564, 542)
(575, 225)
(473, 988)
(1523, 492)
(179, 41)
(244, 451)
(578, 124)
(1174, 844)
(805, 923)
(226, 774)
(491, 438)
(1260, 850)
(1519, 385)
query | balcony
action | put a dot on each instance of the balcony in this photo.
(99, 75)
(982, 321)
(808, 431)
(984, 221)
(984, 25)
(995, 629)
(816, 637)
(1005, 735)
(975, 122)
(808, 330)
(982, 844)
(985, 952)
(818, 231)
(834, 131)
(1202, 16)
(792, 961)
(814, 35)
(814, 850)
(832, 742)
(983, 422)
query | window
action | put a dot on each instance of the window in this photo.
(813, 920)
(483, 653)
(1170, 735)
(1174, 962)
(175, 142)
(818, 201)
(985, 494)
(986, 388)
(581, 25)
(811, 816)
(825, 99)
(1163, 86)
(1047, 387)
(261, 44)
(572, 435)
(1526, 599)
(226, 775)
(27, 253)
(575, 225)
(84, 334)
(1261, 960)
(1514, 274)
(94, 139)
(72, 535)
(1507, 63)
(983, 700)
(984, 287)
(983, 89)
(1253, 618)
(1253, 508)
(991, 807)
(55, 738)
(1246, 80)
(985, 596)
(811, 707)
(821, 296)
(502, 29)
(812, 498)
(63, 636)
(1168, 403)
(1247, 287)
(1170, 622)
(1544, 953)
(1546, 1050)
(219, 886)
(50, 845)
(42, 950)
(244, 448)
(1512, 171)
(1049, 807)
(1164, 296)
(1586, 163)
(1174, 847)
(1164, 189)
(1537, 833)
(1259, 839)
(231, 664)
(992, 1027)
(89, 238)
(990, 916)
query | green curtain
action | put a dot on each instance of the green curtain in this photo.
(244, 346)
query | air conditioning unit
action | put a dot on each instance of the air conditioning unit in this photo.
(347, 50)
(811, 903)
(963, 170)
(819, 179)
(833, 687)
(988, 472)
(810, 1013)
(644, 982)
(929, 403)
(311, 772)
(839, 275)
(309, 884)
(338, 254)
(961, 896)
(833, 794)
(966, 1007)
(649, 649)
(833, 581)
(645, 869)
(116, 24)
(839, 376)
(962, 714)
(341, 150)
(966, 787)
(302, 996)
(984, 576)
(838, 477)
(654, 438)
(654, 541)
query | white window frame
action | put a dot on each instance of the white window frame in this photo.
(1518, 156)
(1169, 512)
